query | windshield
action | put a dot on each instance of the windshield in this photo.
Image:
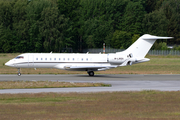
(19, 57)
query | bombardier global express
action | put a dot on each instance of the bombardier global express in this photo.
(87, 62)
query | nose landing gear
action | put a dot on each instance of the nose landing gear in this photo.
(19, 74)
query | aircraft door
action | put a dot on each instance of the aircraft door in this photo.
(31, 60)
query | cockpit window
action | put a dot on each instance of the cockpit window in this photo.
(19, 57)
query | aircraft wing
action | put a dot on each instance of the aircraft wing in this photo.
(85, 67)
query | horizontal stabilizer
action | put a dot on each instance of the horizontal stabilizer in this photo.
(151, 37)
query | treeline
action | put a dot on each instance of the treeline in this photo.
(62, 25)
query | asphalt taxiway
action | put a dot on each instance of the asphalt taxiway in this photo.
(118, 82)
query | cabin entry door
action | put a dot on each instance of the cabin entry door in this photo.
(31, 60)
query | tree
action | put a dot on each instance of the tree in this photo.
(53, 29)
(155, 23)
(172, 12)
(33, 16)
(20, 28)
(52, 25)
(6, 35)
(100, 18)
(153, 5)
(133, 17)
(1, 37)
(135, 37)
(70, 10)
(121, 39)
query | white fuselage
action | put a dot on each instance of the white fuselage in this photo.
(80, 62)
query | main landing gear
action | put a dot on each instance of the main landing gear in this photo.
(19, 74)
(91, 73)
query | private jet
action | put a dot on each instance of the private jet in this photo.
(87, 62)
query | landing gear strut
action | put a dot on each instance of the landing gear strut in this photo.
(91, 73)
(19, 74)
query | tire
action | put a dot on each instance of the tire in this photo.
(91, 73)
(19, 74)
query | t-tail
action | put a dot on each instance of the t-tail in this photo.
(138, 50)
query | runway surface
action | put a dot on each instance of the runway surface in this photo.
(118, 82)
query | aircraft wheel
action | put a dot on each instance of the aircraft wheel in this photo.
(91, 73)
(19, 74)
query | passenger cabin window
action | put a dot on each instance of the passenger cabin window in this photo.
(50, 58)
(19, 57)
(59, 58)
(41, 58)
(36, 58)
(54, 58)
(45, 58)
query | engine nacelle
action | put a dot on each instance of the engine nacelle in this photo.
(131, 61)
(116, 59)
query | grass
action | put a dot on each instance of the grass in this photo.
(145, 105)
(157, 65)
(46, 84)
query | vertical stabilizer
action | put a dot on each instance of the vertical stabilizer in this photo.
(140, 48)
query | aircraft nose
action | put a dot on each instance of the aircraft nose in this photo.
(9, 63)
